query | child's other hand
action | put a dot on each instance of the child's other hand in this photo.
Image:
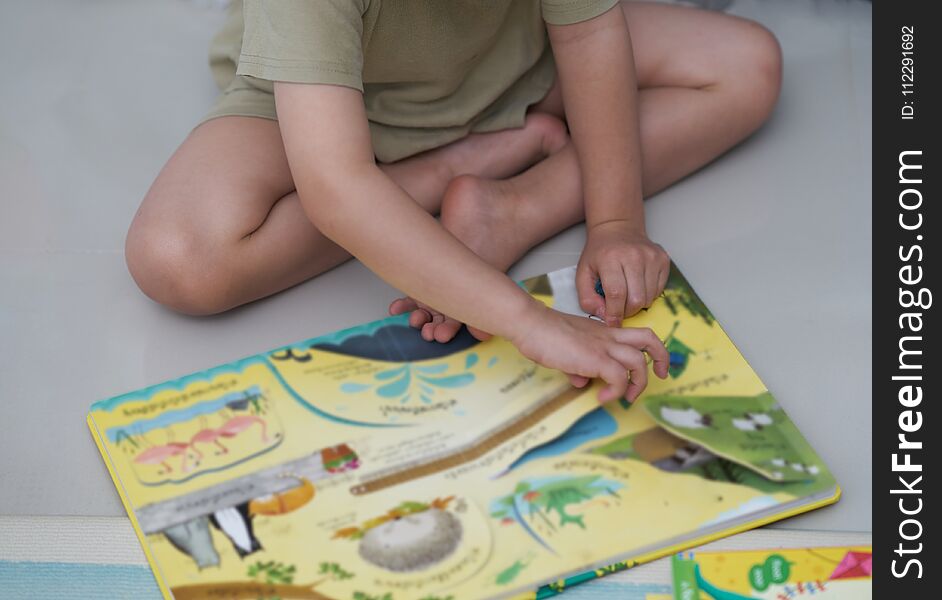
(632, 268)
(585, 349)
(433, 325)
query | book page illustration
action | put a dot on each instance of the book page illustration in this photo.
(208, 435)
(838, 573)
(752, 431)
(371, 464)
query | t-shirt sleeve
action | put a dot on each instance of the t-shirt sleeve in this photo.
(567, 12)
(304, 41)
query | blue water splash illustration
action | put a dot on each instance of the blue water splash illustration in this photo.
(384, 375)
(415, 381)
(434, 369)
(451, 381)
(398, 387)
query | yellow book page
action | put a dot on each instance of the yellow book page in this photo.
(356, 465)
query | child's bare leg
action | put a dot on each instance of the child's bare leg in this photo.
(706, 81)
(222, 226)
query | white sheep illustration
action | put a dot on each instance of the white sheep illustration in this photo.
(688, 418)
(752, 421)
(746, 425)
(763, 419)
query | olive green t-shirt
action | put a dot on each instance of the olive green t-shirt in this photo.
(431, 71)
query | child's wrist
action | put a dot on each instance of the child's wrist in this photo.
(629, 224)
(622, 225)
(525, 319)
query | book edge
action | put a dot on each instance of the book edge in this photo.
(141, 538)
(544, 592)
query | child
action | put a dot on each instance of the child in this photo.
(389, 111)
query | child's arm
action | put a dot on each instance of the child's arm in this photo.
(355, 204)
(597, 75)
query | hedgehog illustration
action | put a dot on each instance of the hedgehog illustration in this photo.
(409, 537)
(412, 542)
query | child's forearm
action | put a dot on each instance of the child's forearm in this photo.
(355, 204)
(597, 74)
(374, 219)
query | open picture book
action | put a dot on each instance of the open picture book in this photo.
(368, 464)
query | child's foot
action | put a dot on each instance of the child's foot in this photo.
(483, 214)
(505, 153)
(480, 210)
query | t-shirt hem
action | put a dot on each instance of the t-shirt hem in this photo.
(297, 72)
(576, 11)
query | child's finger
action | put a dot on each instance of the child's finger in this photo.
(589, 300)
(637, 291)
(616, 292)
(577, 380)
(635, 385)
(650, 285)
(615, 375)
(633, 362)
(647, 341)
(662, 277)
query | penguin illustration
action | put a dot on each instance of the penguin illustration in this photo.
(235, 523)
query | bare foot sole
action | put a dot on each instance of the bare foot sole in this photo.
(485, 215)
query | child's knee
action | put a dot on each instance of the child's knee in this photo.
(762, 66)
(171, 267)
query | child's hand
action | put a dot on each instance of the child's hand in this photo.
(633, 270)
(585, 349)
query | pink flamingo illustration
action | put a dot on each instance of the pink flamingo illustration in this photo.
(208, 436)
(230, 428)
(237, 425)
(160, 454)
